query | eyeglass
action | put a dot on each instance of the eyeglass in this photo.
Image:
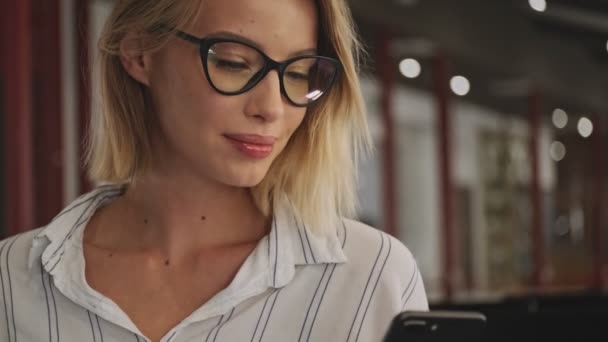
(233, 67)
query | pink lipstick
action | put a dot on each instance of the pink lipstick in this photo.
(252, 145)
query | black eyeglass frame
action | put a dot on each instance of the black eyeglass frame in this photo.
(269, 64)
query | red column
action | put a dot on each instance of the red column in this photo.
(441, 75)
(3, 183)
(17, 71)
(386, 76)
(535, 107)
(598, 164)
(47, 110)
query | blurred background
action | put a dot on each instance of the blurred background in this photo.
(489, 119)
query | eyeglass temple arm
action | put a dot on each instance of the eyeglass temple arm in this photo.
(188, 37)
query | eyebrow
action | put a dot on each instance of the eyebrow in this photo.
(232, 35)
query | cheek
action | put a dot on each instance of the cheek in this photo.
(294, 119)
(180, 97)
(176, 82)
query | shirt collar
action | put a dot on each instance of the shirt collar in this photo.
(271, 265)
(51, 242)
(290, 242)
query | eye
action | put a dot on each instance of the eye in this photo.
(297, 76)
(229, 65)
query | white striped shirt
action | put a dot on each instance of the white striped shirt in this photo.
(295, 286)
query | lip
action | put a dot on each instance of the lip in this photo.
(253, 145)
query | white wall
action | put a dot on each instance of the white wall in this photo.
(69, 102)
(100, 10)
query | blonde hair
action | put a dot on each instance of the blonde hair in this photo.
(317, 169)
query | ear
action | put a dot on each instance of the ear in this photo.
(135, 61)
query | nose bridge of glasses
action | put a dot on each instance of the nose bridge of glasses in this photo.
(262, 75)
(269, 65)
(269, 97)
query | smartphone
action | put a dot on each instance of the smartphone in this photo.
(436, 326)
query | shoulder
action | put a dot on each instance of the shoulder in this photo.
(362, 243)
(367, 248)
(14, 256)
(17, 247)
(25, 289)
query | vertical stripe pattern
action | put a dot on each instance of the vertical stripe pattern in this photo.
(366, 297)
(217, 331)
(95, 327)
(7, 295)
(51, 306)
(304, 241)
(410, 290)
(315, 304)
(264, 317)
(377, 281)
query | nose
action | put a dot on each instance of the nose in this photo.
(265, 99)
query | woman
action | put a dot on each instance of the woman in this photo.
(228, 138)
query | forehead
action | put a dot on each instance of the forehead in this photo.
(279, 27)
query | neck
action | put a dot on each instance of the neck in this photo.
(176, 216)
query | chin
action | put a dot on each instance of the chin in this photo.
(237, 173)
(244, 181)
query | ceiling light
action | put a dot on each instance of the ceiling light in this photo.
(585, 127)
(560, 118)
(538, 5)
(460, 85)
(410, 68)
(557, 151)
